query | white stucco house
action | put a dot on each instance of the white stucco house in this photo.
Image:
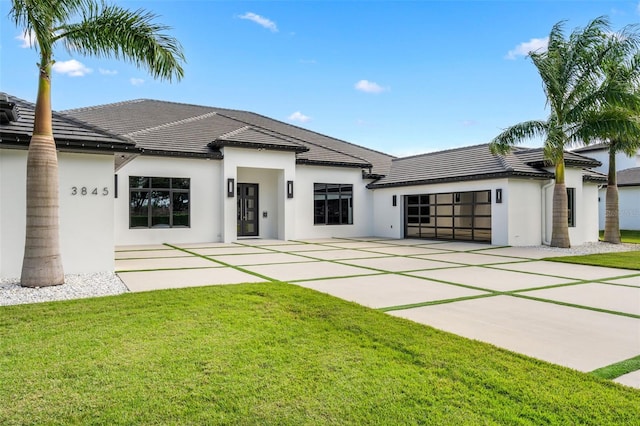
(148, 172)
(628, 180)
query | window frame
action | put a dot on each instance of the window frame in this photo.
(345, 194)
(150, 188)
(571, 207)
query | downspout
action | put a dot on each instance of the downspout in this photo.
(545, 241)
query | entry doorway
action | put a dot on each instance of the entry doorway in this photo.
(247, 210)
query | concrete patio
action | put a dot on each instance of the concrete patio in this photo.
(582, 317)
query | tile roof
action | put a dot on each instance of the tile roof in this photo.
(629, 177)
(471, 163)
(68, 132)
(160, 126)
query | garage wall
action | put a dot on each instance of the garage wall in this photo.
(389, 220)
(86, 212)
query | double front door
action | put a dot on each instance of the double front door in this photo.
(247, 210)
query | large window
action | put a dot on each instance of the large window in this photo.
(332, 204)
(449, 216)
(571, 206)
(158, 202)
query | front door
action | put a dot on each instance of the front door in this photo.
(247, 209)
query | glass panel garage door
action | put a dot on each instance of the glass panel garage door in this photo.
(462, 216)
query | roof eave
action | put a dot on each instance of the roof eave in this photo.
(332, 163)
(250, 145)
(374, 185)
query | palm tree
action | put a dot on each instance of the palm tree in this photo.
(101, 30)
(622, 79)
(571, 73)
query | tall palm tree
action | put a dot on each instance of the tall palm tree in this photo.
(571, 73)
(622, 111)
(86, 27)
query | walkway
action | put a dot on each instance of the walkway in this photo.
(583, 317)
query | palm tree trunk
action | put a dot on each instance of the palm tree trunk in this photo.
(560, 222)
(612, 214)
(42, 263)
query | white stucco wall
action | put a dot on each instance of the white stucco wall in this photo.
(306, 176)
(525, 211)
(205, 200)
(86, 221)
(506, 228)
(587, 206)
(270, 169)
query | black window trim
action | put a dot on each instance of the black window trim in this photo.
(149, 188)
(348, 187)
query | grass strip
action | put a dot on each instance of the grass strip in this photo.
(624, 259)
(273, 354)
(618, 369)
(211, 259)
(573, 305)
(434, 302)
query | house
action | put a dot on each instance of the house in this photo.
(628, 180)
(149, 172)
(85, 166)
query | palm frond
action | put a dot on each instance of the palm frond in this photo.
(114, 32)
(516, 134)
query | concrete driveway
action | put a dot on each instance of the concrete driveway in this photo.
(583, 317)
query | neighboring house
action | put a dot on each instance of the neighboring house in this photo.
(629, 198)
(628, 179)
(170, 172)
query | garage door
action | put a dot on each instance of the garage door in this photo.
(462, 216)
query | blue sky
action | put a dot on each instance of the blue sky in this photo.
(403, 77)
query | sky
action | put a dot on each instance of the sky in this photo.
(401, 77)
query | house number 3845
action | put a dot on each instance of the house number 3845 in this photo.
(83, 190)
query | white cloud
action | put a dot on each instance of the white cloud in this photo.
(638, 8)
(469, 123)
(261, 20)
(107, 72)
(72, 68)
(298, 116)
(28, 39)
(136, 81)
(369, 87)
(526, 47)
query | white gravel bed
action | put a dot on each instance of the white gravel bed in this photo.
(589, 248)
(75, 287)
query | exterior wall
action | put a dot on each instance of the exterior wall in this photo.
(629, 199)
(629, 207)
(306, 176)
(622, 160)
(86, 221)
(587, 206)
(206, 194)
(515, 221)
(270, 169)
(525, 212)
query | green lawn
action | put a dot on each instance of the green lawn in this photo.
(625, 259)
(273, 354)
(626, 236)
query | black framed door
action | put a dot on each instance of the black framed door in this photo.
(247, 209)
